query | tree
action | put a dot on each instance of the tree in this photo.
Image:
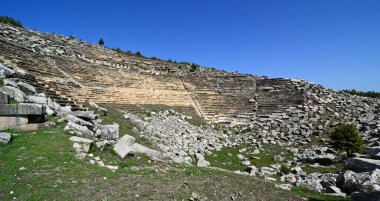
(138, 53)
(194, 67)
(347, 138)
(101, 41)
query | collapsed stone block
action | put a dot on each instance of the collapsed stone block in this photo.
(22, 109)
(5, 137)
(108, 132)
(124, 145)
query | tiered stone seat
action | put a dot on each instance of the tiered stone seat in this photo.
(101, 75)
(222, 95)
(282, 96)
(63, 100)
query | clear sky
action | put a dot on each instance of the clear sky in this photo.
(332, 42)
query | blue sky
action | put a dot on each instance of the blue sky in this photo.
(332, 42)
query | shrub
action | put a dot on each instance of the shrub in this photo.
(101, 41)
(194, 67)
(118, 50)
(138, 53)
(284, 169)
(147, 113)
(347, 138)
(11, 21)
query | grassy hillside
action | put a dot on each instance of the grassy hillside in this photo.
(40, 165)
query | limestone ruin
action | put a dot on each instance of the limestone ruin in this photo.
(64, 74)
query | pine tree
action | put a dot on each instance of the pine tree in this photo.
(347, 138)
(101, 41)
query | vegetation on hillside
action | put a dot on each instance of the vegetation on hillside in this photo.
(10, 20)
(371, 94)
(40, 165)
(347, 138)
(101, 41)
(193, 66)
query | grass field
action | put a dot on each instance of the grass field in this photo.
(40, 165)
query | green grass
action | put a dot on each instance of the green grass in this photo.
(24, 90)
(47, 156)
(13, 101)
(336, 168)
(115, 116)
(267, 156)
(197, 121)
(53, 173)
(227, 157)
(315, 196)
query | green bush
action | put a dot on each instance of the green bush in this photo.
(347, 138)
(9, 20)
(138, 53)
(147, 113)
(194, 67)
(101, 41)
(284, 169)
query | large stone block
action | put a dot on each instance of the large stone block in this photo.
(4, 99)
(14, 93)
(28, 87)
(22, 109)
(124, 146)
(5, 71)
(361, 196)
(37, 99)
(108, 132)
(362, 164)
(12, 122)
(5, 137)
(83, 130)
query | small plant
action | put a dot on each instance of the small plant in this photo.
(347, 138)
(13, 101)
(284, 169)
(23, 89)
(50, 117)
(147, 113)
(101, 41)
